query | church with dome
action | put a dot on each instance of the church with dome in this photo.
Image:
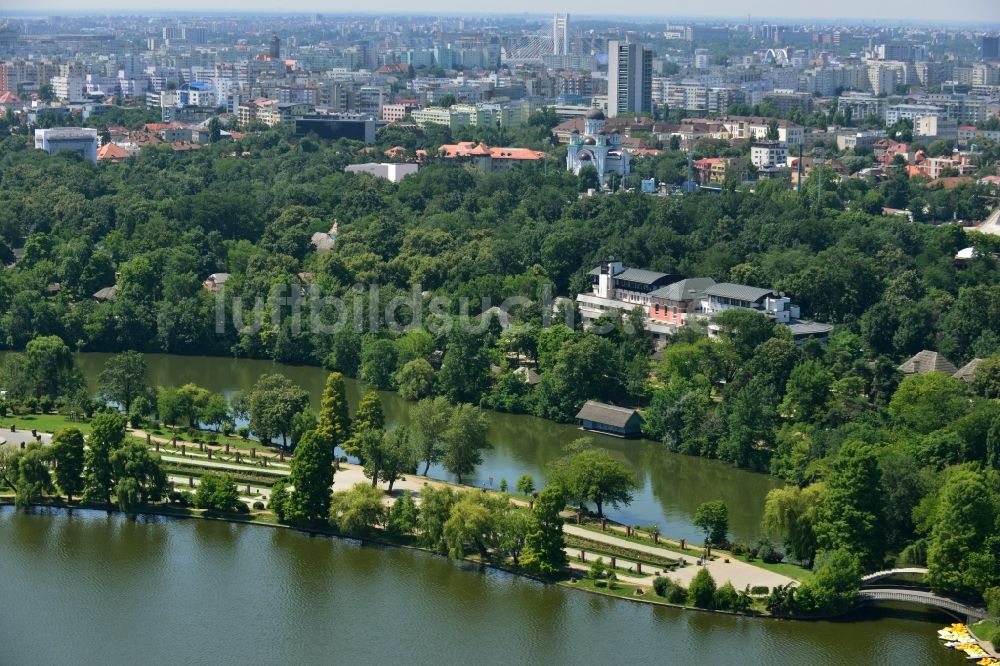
(597, 147)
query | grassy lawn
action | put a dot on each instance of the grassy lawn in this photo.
(984, 630)
(794, 571)
(41, 422)
(608, 550)
(620, 589)
(664, 543)
(210, 437)
(648, 568)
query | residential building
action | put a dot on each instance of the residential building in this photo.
(851, 140)
(281, 113)
(674, 303)
(934, 127)
(438, 115)
(81, 140)
(669, 301)
(389, 171)
(755, 128)
(489, 159)
(786, 101)
(774, 305)
(393, 112)
(598, 148)
(68, 88)
(769, 155)
(882, 78)
(861, 106)
(630, 78)
(616, 288)
(711, 170)
(897, 112)
(927, 361)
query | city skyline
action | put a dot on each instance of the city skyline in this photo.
(982, 13)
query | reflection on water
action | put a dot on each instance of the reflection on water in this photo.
(671, 486)
(89, 588)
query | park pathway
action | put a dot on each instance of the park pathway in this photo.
(740, 574)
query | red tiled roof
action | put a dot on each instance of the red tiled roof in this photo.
(470, 149)
(112, 151)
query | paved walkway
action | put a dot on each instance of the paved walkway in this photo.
(740, 574)
(15, 439)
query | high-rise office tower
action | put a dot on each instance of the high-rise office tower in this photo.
(560, 34)
(991, 48)
(630, 78)
(275, 48)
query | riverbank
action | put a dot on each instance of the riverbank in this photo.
(624, 588)
(276, 596)
(187, 460)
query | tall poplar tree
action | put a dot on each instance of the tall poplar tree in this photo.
(334, 420)
(312, 477)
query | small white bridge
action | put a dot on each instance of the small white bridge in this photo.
(870, 595)
(879, 575)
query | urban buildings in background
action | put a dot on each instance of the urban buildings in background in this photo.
(766, 90)
(630, 78)
(560, 34)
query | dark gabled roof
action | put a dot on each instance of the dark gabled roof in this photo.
(530, 376)
(600, 412)
(106, 294)
(966, 372)
(740, 292)
(927, 361)
(597, 271)
(640, 275)
(691, 289)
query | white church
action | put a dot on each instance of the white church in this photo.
(598, 148)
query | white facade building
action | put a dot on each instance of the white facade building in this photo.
(389, 171)
(80, 140)
(769, 155)
(67, 88)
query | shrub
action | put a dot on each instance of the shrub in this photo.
(179, 497)
(914, 555)
(760, 589)
(992, 598)
(217, 492)
(739, 549)
(702, 589)
(726, 597)
(769, 554)
(996, 638)
(243, 432)
(677, 594)
(661, 586)
(598, 569)
(280, 499)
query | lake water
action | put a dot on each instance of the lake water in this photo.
(90, 588)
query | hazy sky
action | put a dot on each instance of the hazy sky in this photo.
(908, 11)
